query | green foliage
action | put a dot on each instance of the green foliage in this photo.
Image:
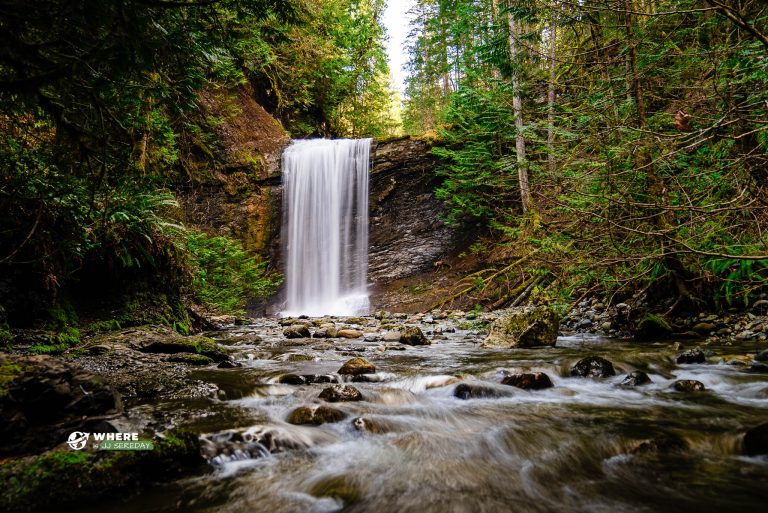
(647, 169)
(225, 275)
(8, 372)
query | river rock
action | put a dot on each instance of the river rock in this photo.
(349, 333)
(760, 306)
(524, 327)
(593, 367)
(296, 331)
(663, 444)
(635, 379)
(392, 336)
(528, 381)
(688, 385)
(157, 343)
(704, 328)
(756, 440)
(357, 366)
(691, 356)
(475, 391)
(762, 356)
(413, 336)
(43, 399)
(652, 327)
(316, 415)
(340, 393)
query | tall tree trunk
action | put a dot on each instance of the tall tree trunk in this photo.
(551, 94)
(517, 107)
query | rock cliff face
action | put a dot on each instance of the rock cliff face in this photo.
(234, 186)
(407, 236)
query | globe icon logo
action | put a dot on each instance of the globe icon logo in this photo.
(77, 440)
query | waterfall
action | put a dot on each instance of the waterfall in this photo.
(325, 226)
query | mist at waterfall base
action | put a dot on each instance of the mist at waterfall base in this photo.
(325, 222)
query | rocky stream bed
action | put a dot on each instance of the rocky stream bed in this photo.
(397, 413)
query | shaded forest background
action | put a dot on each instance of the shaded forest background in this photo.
(618, 146)
(611, 146)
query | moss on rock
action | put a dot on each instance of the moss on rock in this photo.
(60, 478)
(528, 327)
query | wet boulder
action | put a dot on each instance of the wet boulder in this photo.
(474, 391)
(524, 327)
(349, 333)
(340, 393)
(688, 385)
(173, 344)
(652, 327)
(413, 336)
(593, 367)
(357, 366)
(756, 440)
(762, 356)
(296, 331)
(691, 356)
(635, 379)
(528, 381)
(315, 415)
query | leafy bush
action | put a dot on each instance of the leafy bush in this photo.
(225, 275)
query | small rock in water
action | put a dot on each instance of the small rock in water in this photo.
(635, 379)
(762, 356)
(318, 415)
(357, 366)
(340, 393)
(296, 331)
(691, 356)
(756, 440)
(593, 367)
(704, 328)
(348, 333)
(472, 391)
(688, 385)
(413, 337)
(373, 425)
(291, 379)
(228, 364)
(663, 444)
(528, 381)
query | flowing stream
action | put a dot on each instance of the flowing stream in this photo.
(325, 205)
(411, 445)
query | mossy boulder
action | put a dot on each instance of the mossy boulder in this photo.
(59, 479)
(413, 336)
(524, 327)
(196, 345)
(43, 399)
(652, 327)
(191, 359)
(315, 415)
